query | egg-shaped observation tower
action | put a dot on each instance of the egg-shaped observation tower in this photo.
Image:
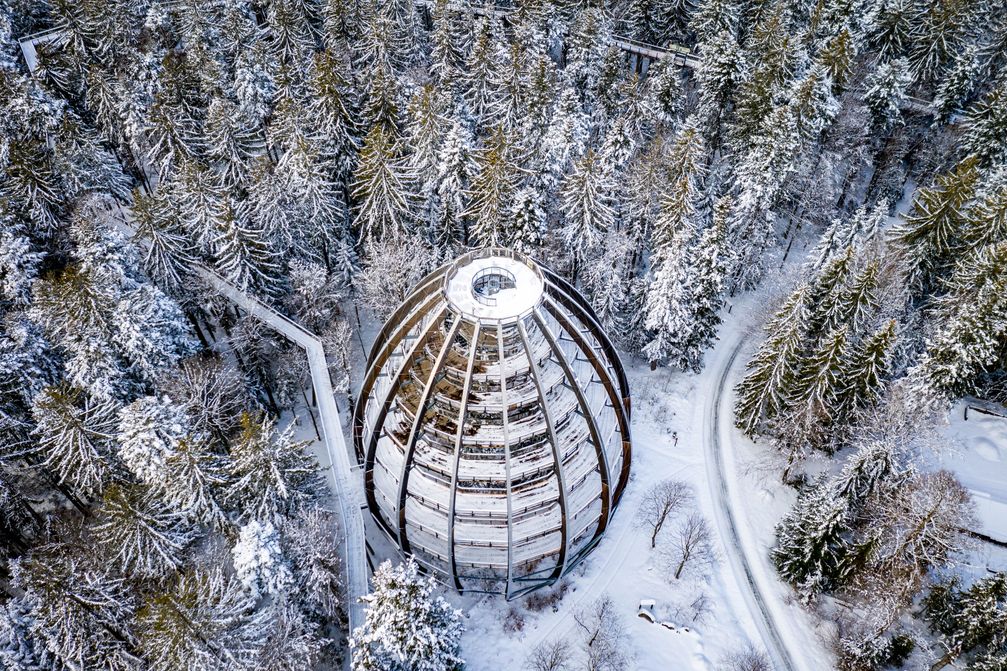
(494, 425)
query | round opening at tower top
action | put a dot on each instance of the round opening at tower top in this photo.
(493, 285)
(494, 425)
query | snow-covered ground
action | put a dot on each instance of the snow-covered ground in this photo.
(978, 455)
(666, 403)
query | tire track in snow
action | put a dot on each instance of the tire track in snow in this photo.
(739, 560)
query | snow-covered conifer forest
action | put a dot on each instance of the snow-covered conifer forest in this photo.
(790, 216)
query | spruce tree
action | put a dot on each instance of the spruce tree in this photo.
(271, 474)
(987, 126)
(382, 201)
(406, 627)
(811, 550)
(971, 621)
(169, 253)
(587, 211)
(709, 268)
(932, 230)
(244, 252)
(773, 372)
(202, 620)
(958, 83)
(230, 142)
(815, 398)
(986, 220)
(492, 193)
(867, 370)
(886, 91)
(973, 323)
(74, 434)
(79, 610)
(138, 535)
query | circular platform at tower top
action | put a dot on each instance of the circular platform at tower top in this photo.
(493, 285)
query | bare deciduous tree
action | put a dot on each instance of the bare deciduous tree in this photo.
(691, 544)
(660, 503)
(918, 526)
(604, 634)
(748, 659)
(550, 656)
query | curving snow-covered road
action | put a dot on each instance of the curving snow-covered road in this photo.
(738, 555)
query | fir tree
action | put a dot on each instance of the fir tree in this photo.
(74, 434)
(383, 207)
(484, 78)
(816, 395)
(605, 279)
(311, 541)
(195, 478)
(332, 110)
(587, 212)
(709, 268)
(406, 627)
(932, 230)
(456, 168)
(448, 47)
(773, 371)
(713, 18)
(529, 219)
(889, 26)
(271, 473)
(760, 178)
(140, 537)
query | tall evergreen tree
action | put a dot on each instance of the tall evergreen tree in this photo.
(74, 435)
(492, 193)
(587, 210)
(271, 473)
(932, 230)
(773, 372)
(406, 627)
(383, 205)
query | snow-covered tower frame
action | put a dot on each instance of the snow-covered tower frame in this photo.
(494, 425)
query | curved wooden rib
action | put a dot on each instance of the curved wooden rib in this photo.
(622, 415)
(557, 455)
(585, 407)
(459, 435)
(414, 431)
